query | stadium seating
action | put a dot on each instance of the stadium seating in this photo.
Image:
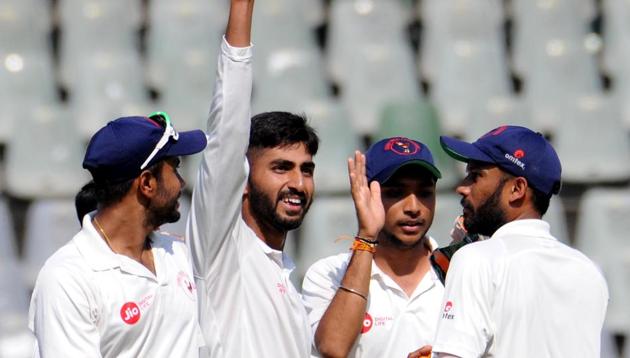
(44, 155)
(49, 224)
(329, 219)
(359, 69)
(418, 120)
(601, 233)
(605, 157)
(338, 142)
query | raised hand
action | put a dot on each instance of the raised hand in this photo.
(366, 197)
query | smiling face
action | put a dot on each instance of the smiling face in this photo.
(482, 194)
(280, 186)
(409, 201)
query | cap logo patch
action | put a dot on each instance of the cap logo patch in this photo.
(519, 153)
(515, 160)
(402, 146)
(496, 131)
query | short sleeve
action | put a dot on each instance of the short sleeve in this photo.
(319, 287)
(465, 327)
(63, 315)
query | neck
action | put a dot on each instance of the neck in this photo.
(125, 232)
(271, 236)
(406, 267)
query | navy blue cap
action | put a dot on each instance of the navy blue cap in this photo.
(117, 151)
(386, 156)
(517, 150)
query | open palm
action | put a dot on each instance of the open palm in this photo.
(367, 198)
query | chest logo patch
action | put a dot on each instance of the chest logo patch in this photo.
(186, 284)
(367, 323)
(130, 313)
(447, 314)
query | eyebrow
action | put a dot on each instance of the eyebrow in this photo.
(282, 162)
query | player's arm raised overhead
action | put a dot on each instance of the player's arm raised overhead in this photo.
(222, 175)
(342, 321)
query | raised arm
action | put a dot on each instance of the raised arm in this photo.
(341, 323)
(239, 27)
(216, 199)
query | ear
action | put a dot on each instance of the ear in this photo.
(517, 189)
(147, 184)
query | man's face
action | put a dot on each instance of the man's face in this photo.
(482, 193)
(409, 201)
(165, 207)
(280, 185)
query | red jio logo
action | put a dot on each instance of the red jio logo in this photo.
(130, 313)
(367, 323)
(519, 153)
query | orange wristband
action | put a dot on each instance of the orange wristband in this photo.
(359, 245)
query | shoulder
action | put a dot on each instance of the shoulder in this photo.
(64, 272)
(330, 264)
(327, 272)
(480, 251)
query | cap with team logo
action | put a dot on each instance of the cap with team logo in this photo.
(386, 156)
(517, 150)
(124, 147)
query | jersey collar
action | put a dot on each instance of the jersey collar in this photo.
(101, 258)
(93, 248)
(525, 227)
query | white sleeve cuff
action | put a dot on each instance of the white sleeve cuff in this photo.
(236, 53)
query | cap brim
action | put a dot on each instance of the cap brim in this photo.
(463, 151)
(189, 142)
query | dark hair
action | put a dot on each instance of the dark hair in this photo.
(85, 200)
(104, 193)
(279, 129)
(541, 201)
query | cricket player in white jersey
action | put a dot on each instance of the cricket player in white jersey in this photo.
(521, 293)
(252, 188)
(119, 288)
(382, 299)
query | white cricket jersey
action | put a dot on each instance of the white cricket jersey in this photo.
(522, 293)
(91, 302)
(241, 281)
(394, 325)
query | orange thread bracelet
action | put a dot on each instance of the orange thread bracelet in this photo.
(359, 245)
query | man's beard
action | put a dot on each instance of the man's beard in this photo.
(167, 213)
(488, 217)
(264, 208)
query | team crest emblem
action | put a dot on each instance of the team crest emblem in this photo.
(402, 146)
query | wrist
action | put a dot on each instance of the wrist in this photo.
(361, 244)
(366, 237)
